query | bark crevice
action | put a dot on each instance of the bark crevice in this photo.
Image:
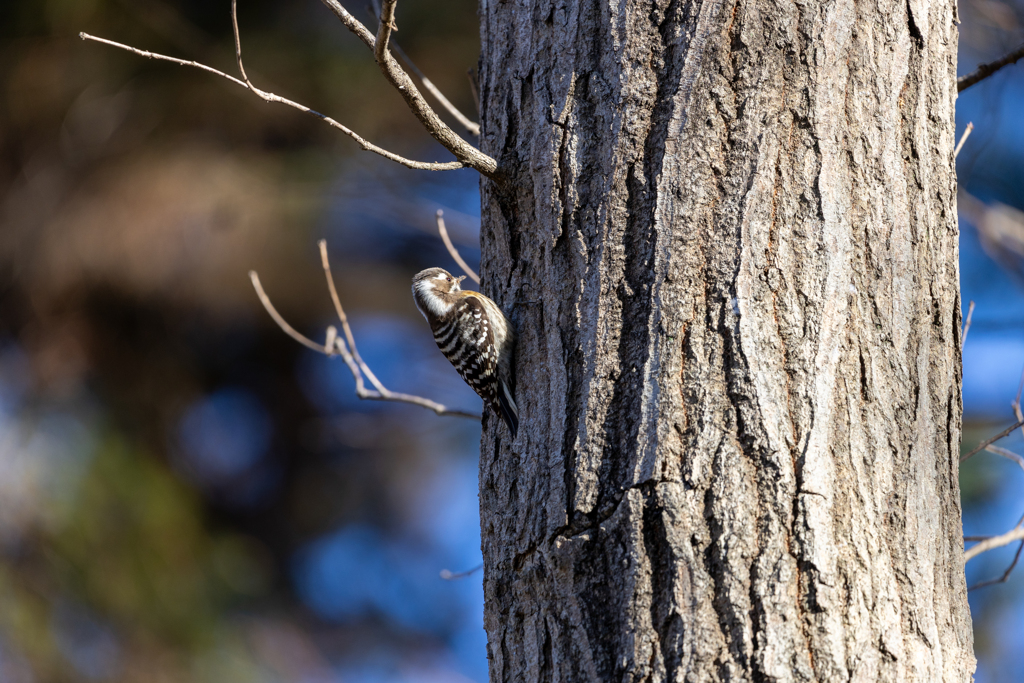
(741, 405)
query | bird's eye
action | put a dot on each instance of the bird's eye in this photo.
(449, 279)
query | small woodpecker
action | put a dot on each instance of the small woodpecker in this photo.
(474, 335)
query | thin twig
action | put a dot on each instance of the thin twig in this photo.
(1009, 455)
(963, 139)
(1004, 577)
(336, 345)
(384, 28)
(451, 248)
(967, 326)
(1009, 570)
(270, 97)
(1005, 453)
(987, 442)
(473, 128)
(986, 70)
(395, 74)
(238, 52)
(986, 543)
(453, 576)
(1015, 534)
(351, 23)
(281, 322)
(344, 320)
(154, 55)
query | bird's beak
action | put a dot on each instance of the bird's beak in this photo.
(459, 279)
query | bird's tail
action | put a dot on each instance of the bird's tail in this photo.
(509, 411)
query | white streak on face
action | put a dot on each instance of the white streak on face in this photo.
(426, 296)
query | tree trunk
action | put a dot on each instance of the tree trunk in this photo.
(727, 237)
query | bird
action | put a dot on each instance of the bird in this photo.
(474, 335)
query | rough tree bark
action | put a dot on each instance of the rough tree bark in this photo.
(727, 236)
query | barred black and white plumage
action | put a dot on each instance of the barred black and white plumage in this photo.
(474, 335)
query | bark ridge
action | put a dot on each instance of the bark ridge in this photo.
(727, 237)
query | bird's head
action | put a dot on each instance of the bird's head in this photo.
(438, 279)
(434, 290)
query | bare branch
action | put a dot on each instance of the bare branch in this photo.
(471, 127)
(1015, 534)
(986, 543)
(336, 345)
(363, 367)
(963, 139)
(281, 322)
(1005, 453)
(238, 52)
(453, 576)
(270, 97)
(1004, 577)
(154, 55)
(394, 396)
(393, 72)
(986, 70)
(987, 442)
(451, 248)
(351, 23)
(1009, 569)
(967, 326)
(384, 28)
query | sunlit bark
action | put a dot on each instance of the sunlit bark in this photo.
(727, 236)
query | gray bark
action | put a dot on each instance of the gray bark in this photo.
(727, 237)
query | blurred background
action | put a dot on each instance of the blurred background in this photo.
(990, 170)
(188, 495)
